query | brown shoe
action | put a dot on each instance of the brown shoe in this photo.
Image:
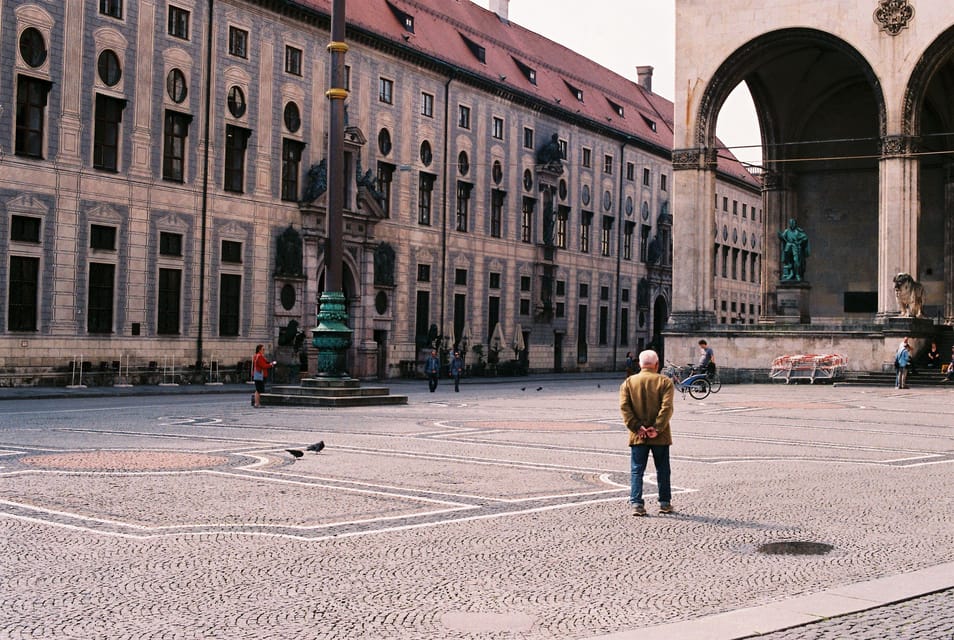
(666, 508)
(639, 510)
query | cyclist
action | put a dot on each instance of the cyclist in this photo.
(706, 360)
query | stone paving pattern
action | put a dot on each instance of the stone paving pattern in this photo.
(494, 513)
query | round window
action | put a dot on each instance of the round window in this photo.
(292, 117)
(176, 86)
(585, 194)
(607, 200)
(32, 47)
(527, 180)
(629, 205)
(108, 66)
(381, 302)
(426, 155)
(288, 297)
(236, 102)
(463, 164)
(497, 172)
(384, 142)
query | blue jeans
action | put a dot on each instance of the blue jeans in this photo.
(638, 460)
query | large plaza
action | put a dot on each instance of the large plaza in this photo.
(496, 512)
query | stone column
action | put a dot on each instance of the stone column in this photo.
(692, 229)
(898, 210)
(949, 244)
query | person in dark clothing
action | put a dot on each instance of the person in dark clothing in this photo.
(456, 369)
(432, 369)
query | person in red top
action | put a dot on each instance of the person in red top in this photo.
(260, 367)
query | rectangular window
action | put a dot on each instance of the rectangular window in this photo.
(422, 315)
(725, 262)
(232, 251)
(735, 264)
(238, 43)
(563, 215)
(498, 128)
(424, 192)
(662, 182)
(628, 240)
(291, 165)
(25, 229)
(111, 8)
(99, 312)
(463, 117)
(494, 280)
(385, 91)
(561, 287)
(170, 293)
(463, 205)
(608, 164)
(563, 148)
(605, 235)
(630, 171)
(23, 293)
(496, 212)
(385, 177)
(109, 115)
(493, 315)
(423, 273)
(644, 232)
(560, 309)
(525, 283)
(725, 203)
(427, 105)
(585, 221)
(587, 158)
(744, 270)
(735, 207)
(178, 22)
(646, 177)
(584, 290)
(526, 220)
(524, 307)
(292, 60)
(460, 277)
(744, 210)
(102, 237)
(604, 325)
(527, 138)
(174, 146)
(236, 142)
(31, 116)
(170, 244)
(230, 297)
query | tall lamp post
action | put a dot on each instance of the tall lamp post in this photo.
(332, 337)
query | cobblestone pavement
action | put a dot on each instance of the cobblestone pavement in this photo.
(495, 513)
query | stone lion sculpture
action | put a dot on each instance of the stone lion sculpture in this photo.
(910, 295)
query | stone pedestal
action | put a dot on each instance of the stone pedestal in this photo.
(793, 303)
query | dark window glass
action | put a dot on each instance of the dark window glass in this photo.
(526, 220)
(111, 8)
(170, 244)
(493, 316)
(427, 105)
(31, 116)
(238, 42)
(423, 273)
(604, 325)
(109, 115)
(463, 205)
(385, 177)
(527, 138)
(32, 47)
(494, 280)
(236, 102)
(292, 117)
(384, 142)
(425, 191)
(231, 251)
(102, 236)
(23, 293)
(496, 212)
(174, 146)
(563, 216)
(426, 155)
(463, 163)
(291, 164)
(292, 60)
(498, 128)
(230, 297)
(25, 229)
(525, 283)
(99, 314)
(463, 117)
(385, 90)
(178, 22)
(108, 67)
(236, 142)
(422, 314)
(176, 86)
(170, 293)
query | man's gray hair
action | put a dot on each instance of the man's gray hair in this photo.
(648, 358)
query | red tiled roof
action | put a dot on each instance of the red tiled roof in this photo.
(439, 24)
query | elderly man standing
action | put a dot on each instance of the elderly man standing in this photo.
(646, 403)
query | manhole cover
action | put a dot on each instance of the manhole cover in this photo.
(795, 548)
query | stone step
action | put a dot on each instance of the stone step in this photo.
(279, 400)
(332, 392)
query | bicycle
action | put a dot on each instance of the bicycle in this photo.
(715, 382)
(696, 384)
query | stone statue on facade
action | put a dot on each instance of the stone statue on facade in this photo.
(367, 181)
(550, 156)
(795, 251)
(316, 182)
(288, 253)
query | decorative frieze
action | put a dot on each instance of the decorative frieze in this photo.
(893, 16)
(698, 158)
(894, 146)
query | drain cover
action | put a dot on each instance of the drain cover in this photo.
(795, 548)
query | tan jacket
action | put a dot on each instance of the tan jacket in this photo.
(645, 400)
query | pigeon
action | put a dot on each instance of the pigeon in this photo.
(598, 385)
(539, 388)
(523, 388)
(295, 452)
(317, 447)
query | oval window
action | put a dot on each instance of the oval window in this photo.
(384, 142)
(497, 172)
(563, 190)
(463, 164)
(176, 86)
(292, 117)
(527, 180)
(32, 47)
(108, 66)
(288, 297)
(426, 155)
(236, 102)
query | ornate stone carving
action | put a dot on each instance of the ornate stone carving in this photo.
(893, 15)
(893, 146)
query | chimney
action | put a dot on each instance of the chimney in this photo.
(644, 76)
(501, 8)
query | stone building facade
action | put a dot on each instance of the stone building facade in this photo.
(163, 200)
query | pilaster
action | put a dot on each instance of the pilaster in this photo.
(145, 70)
(71, 127)
(898, 211)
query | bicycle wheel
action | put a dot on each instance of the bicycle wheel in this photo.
(699, 389)
(715, 384)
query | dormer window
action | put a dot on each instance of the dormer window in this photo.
(479, 52)
(577, 93)
(405, 18)
(649, 123)
(528, 73)
(618, 108)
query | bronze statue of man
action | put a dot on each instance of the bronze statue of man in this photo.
(794, 252)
